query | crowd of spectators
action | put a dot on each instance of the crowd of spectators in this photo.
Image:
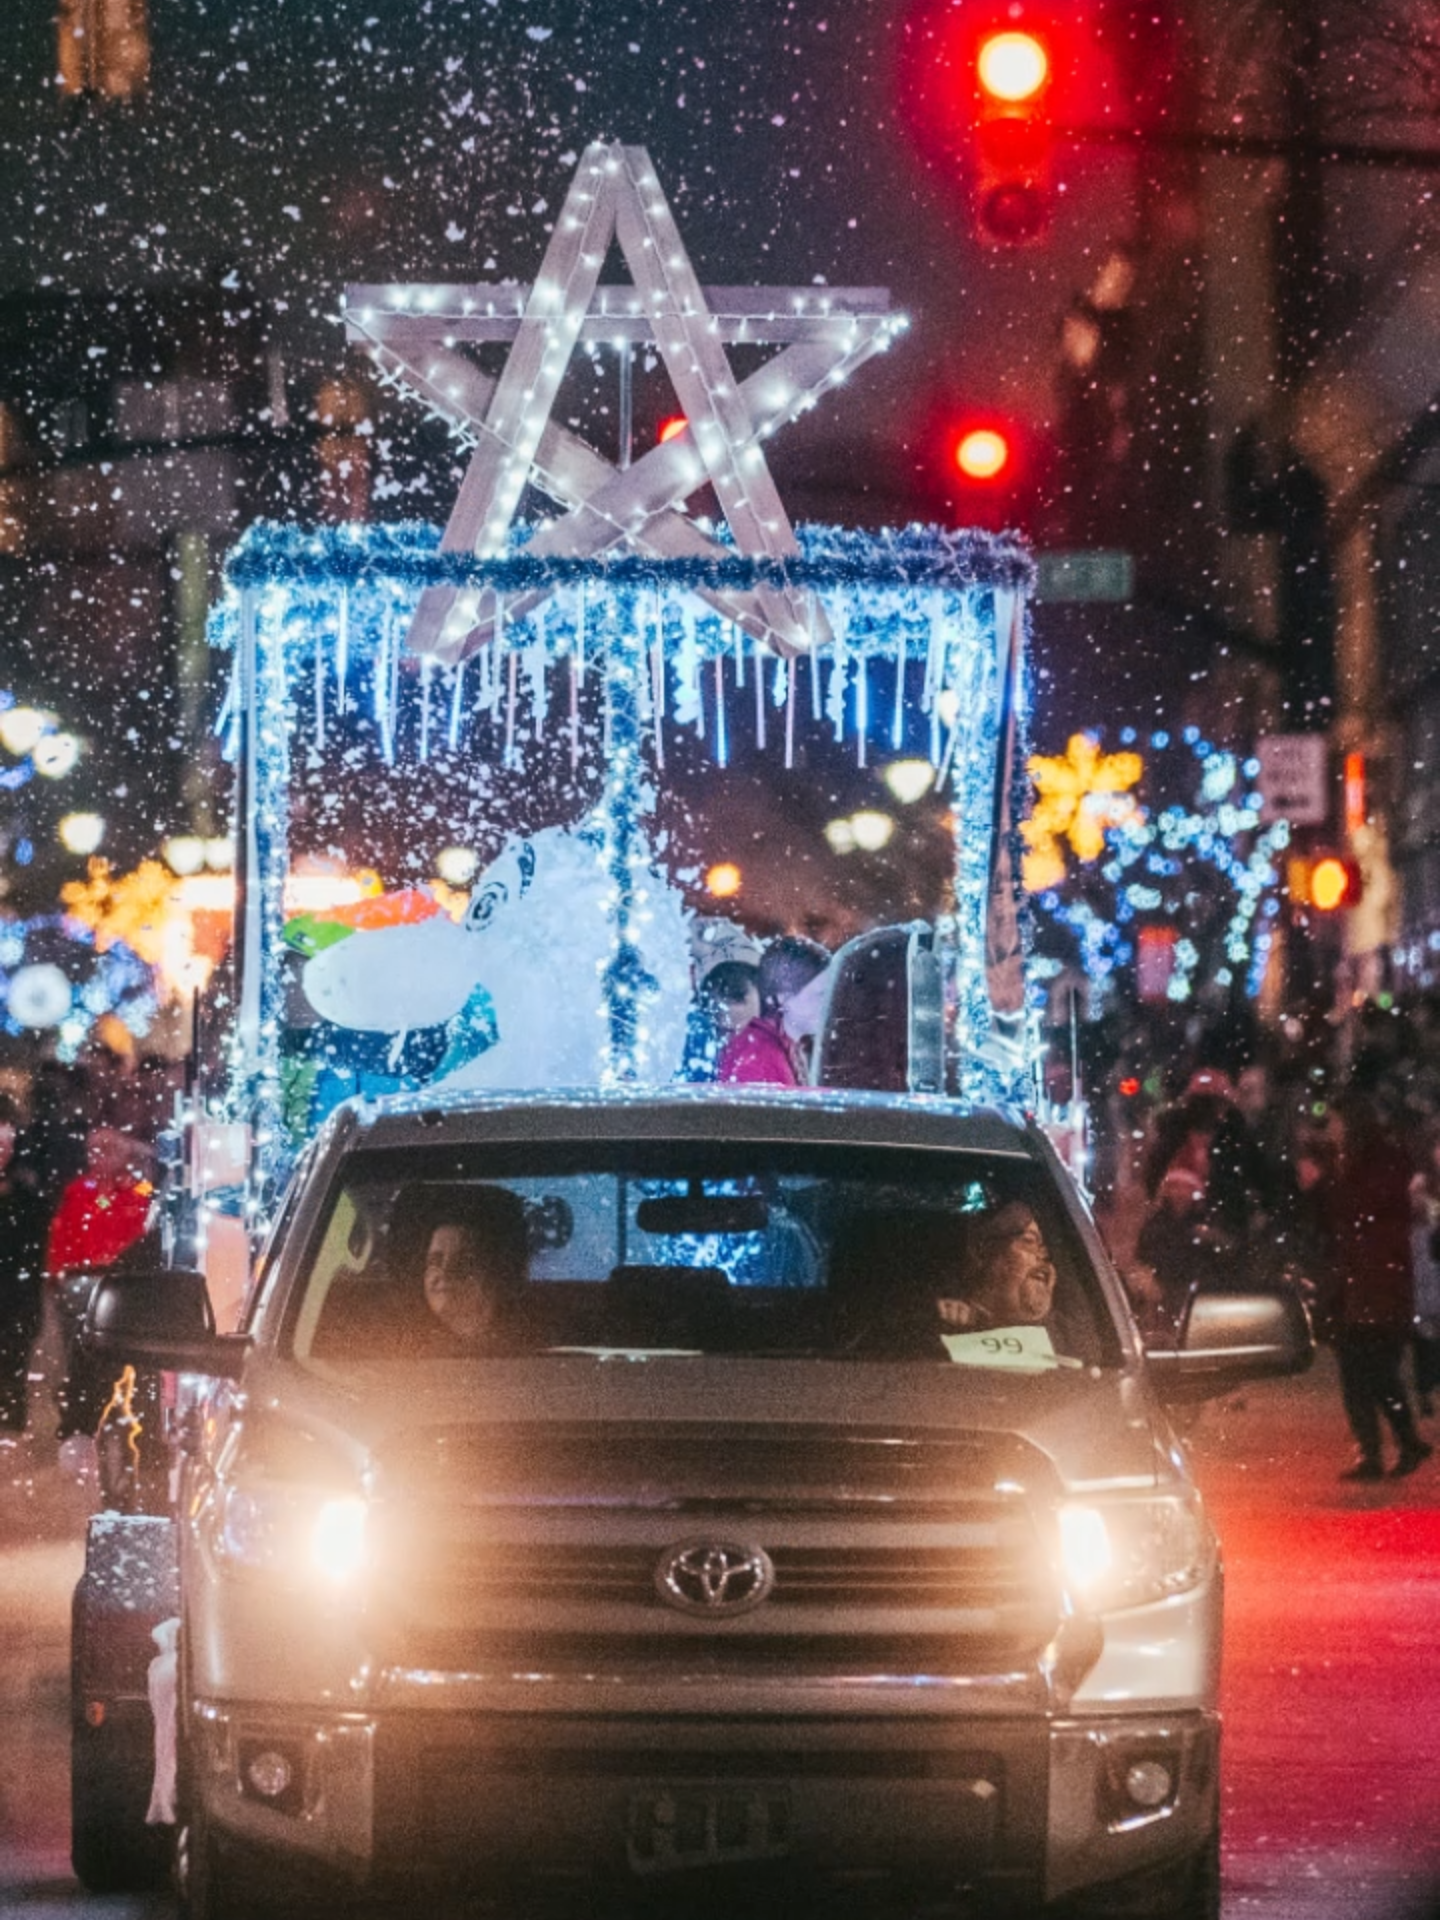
(1305, 1155)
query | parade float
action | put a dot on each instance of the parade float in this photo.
(559, 666)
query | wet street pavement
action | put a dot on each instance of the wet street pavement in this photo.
(1332, 1681)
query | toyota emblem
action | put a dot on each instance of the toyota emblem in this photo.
(714, 1577)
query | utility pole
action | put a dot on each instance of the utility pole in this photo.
(1300, 253)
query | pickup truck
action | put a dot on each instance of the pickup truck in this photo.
(670, 1493)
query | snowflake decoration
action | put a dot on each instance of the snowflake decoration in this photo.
(1080, 796)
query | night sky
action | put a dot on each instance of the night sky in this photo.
(374, 139)
(288, 148)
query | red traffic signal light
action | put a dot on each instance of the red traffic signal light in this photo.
(983, 454)
(1012, 67)
(985, 463)
(1013, 72)
(1325, 882)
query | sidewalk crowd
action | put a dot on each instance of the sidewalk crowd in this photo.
(1303, 1157)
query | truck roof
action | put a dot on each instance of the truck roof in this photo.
(752, 1113)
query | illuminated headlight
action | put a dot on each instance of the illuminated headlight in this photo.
(300, 1535)
(1126, 1553)
(337, 1540)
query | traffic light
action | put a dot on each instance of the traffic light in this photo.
(1327, 882)
(1014, 72)
(988, 465)
(984, 454)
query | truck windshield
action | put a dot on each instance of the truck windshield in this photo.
(695, 1249)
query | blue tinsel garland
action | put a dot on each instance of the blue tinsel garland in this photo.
(408, 555)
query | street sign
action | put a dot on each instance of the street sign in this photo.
(1096, 573)
(1294, 778)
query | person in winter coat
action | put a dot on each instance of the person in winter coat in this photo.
(767, 1051)
(1366, 1204)
(1236, 1188)
(1177, 1241)
(726, 972)
(103, 1211)
(1425, 1272)
(22, 1238)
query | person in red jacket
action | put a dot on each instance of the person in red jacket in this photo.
(102, 1212)
(104, 1209)
(1366, 1208)
(767, 1050)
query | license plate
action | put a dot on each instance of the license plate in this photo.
(695, 1827)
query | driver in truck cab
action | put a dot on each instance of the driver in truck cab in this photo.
(471, 1270)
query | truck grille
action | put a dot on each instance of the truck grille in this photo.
(913, 1554)
(830, 1576)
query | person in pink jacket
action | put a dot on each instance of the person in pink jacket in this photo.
(766, 1051)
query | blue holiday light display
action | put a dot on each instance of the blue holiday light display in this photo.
(54, 978)
(1151, 864)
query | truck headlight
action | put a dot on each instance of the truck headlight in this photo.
(302, 1535)
(1126, 1553)
(338, 1539)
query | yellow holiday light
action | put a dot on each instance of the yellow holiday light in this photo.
(129, 907)
(153, 910)
(1078, 796)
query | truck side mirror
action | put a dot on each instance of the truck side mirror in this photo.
(1229, 1337)
(159, 1318)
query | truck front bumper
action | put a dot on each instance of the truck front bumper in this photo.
(1021, 1810)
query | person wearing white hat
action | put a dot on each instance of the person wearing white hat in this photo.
(726, 964)
(769, 1050)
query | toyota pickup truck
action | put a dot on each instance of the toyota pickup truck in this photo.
(801, 1510)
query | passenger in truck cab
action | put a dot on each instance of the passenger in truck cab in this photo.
(903, 1280)
(1007, 1278)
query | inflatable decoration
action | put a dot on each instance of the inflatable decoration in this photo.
(489, 1001)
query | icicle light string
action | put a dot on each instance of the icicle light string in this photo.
(512, 695)
(342, 650)
(897, 722)
(453, 735)
(392, 693)
(320, 698)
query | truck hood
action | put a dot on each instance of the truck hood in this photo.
(396, 1420)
